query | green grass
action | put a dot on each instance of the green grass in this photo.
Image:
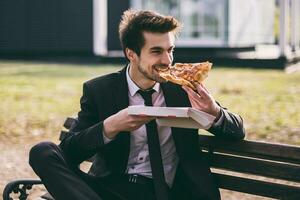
(37, 97)
(268, 100)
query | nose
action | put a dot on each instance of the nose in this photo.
(167, 58)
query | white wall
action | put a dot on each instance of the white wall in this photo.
(251, 22)
(100, 27)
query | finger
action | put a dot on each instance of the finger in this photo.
(141, 118)
(190, 91)
(197, 102)
(202, 91)
(145, 118)
(185, 88)
(194, 97)
(200, 85)
(204, 88)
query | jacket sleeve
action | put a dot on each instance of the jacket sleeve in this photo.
(85, 136)
(231, 127)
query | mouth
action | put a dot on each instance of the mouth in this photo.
(161, 68)
(157, 70)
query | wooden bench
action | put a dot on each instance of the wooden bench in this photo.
(243, 166)
(259, 168)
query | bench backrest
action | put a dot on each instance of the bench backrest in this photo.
(264, 169)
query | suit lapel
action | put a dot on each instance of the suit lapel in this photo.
(122, 142)
(120, 91)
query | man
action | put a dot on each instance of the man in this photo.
(130, 163)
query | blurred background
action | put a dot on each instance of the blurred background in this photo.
(228, 32)
(49, 48)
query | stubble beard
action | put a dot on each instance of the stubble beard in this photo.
(149, 75)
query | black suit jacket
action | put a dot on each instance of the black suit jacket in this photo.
(105, 96)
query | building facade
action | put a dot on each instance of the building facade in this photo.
(215, 30)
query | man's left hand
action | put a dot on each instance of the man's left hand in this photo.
(203, 100)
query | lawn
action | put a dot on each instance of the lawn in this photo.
(37, 97)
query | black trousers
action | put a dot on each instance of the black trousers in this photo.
(65, 182)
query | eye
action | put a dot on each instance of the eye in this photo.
(156, 51)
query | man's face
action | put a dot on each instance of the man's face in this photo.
(156, 52)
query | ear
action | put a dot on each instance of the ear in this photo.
(131, 55)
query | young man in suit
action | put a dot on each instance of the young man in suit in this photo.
(134, 157)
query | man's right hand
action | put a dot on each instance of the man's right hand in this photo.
(122, 121)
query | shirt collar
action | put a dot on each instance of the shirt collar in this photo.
(133, 88)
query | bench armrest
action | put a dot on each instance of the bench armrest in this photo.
(20, 187)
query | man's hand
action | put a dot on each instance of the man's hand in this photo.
(203, 100)
(122, 121)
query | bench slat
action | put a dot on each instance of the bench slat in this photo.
(257, 187)
(284, 171)
(279, 152)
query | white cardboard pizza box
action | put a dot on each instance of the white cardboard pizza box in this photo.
(182, 117)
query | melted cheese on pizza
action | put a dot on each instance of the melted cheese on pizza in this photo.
(188, 74)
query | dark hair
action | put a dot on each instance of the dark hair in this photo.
(134, 23)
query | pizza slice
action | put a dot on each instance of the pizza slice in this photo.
(188, 74)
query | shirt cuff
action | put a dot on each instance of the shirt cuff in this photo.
(220, 120)
(106, 139)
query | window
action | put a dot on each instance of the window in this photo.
(203, 20)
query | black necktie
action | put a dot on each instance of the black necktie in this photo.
(160, 186)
